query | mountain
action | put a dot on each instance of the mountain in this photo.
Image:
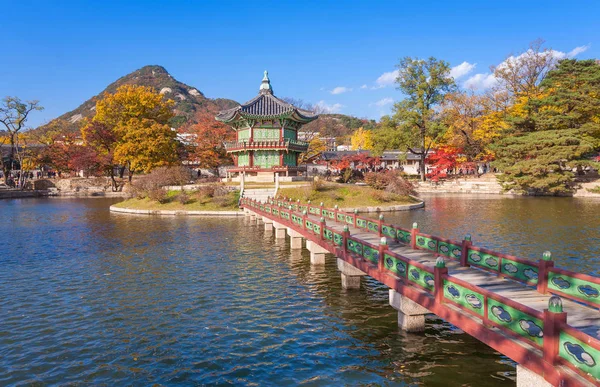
(188, 100)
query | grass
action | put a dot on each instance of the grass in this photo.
(345, 196)
(196, 202)
(596, 189)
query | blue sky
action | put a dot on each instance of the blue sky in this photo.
(338, 54)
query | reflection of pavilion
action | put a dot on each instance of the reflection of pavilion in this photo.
(266, 135)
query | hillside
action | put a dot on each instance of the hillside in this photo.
(338, 125)
(188, 100)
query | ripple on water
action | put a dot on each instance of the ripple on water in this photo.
(89, 297)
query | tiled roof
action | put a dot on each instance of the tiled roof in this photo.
(266, 105)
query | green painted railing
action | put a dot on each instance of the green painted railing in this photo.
(548, 331)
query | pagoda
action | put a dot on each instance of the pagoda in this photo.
(266, 135)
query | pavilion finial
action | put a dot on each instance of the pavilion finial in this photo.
(265, 86)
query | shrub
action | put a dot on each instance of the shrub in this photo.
(183, 198)
(391, 181)
(317, 184)
(158, 195)
(159, 177)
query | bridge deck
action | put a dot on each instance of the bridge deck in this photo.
(582, 317)
(500, 299)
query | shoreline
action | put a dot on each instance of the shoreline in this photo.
(370, 209)
(121, 210)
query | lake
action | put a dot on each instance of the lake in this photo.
(90, 297)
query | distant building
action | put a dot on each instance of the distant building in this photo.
(406, 161)
(266, 135)
(330, 142)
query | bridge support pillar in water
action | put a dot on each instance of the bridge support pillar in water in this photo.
(279, 230)
(411, 316)
(295, 239)
(527, 378)
(317, 253)
(350, 275)
(268, 225)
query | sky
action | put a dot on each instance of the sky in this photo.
(340, 55)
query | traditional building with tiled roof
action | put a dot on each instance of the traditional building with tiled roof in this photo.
(266, 134)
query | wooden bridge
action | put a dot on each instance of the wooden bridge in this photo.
(544, 318)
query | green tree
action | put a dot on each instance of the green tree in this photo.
(416, 125)
(563, 136)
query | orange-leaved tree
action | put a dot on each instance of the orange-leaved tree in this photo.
(206, 141)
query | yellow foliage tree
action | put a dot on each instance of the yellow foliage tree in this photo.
(136, 118)
(316, 146)
(361, 139)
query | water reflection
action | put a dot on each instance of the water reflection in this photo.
(92, 297)
(522, 226)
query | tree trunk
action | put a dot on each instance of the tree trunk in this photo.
(423, 154)
(112, 179)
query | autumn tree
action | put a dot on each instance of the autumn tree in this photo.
(519, 77)
(416, 125)
(13, 116)
(136, 117)
(316, 146)
(361, 139)
(103, 141)
(206, 141)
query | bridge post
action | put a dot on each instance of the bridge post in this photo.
(355, 216)
(439, 272)
(464, 251)
(413, 236)
(345, 235)
(527, 378)
(335, 213)
(350, 275)
(279, 230)
(295, 239)
(383, 246)
(380, 225)
(554, 320)
(317, 253)
(544, 265)
(411, 316)
(268, 225)
(322, 227)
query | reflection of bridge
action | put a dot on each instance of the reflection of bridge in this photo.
(509, 303)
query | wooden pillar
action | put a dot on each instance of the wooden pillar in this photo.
(383, 246)
(544, 265)
(464, 252)
(413, 236)
(439, 272)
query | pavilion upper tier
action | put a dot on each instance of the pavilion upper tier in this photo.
(265, 106)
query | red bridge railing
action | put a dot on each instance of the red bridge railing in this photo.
(548, 331)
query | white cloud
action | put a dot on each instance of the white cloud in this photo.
(364, 87)
(340, 90)
(480, 81)
(578, 50)
(486, 81)
(386, 79)
(383, 102)
(326, 108)
(462, 69)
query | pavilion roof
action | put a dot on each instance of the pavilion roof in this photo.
(266, 106)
